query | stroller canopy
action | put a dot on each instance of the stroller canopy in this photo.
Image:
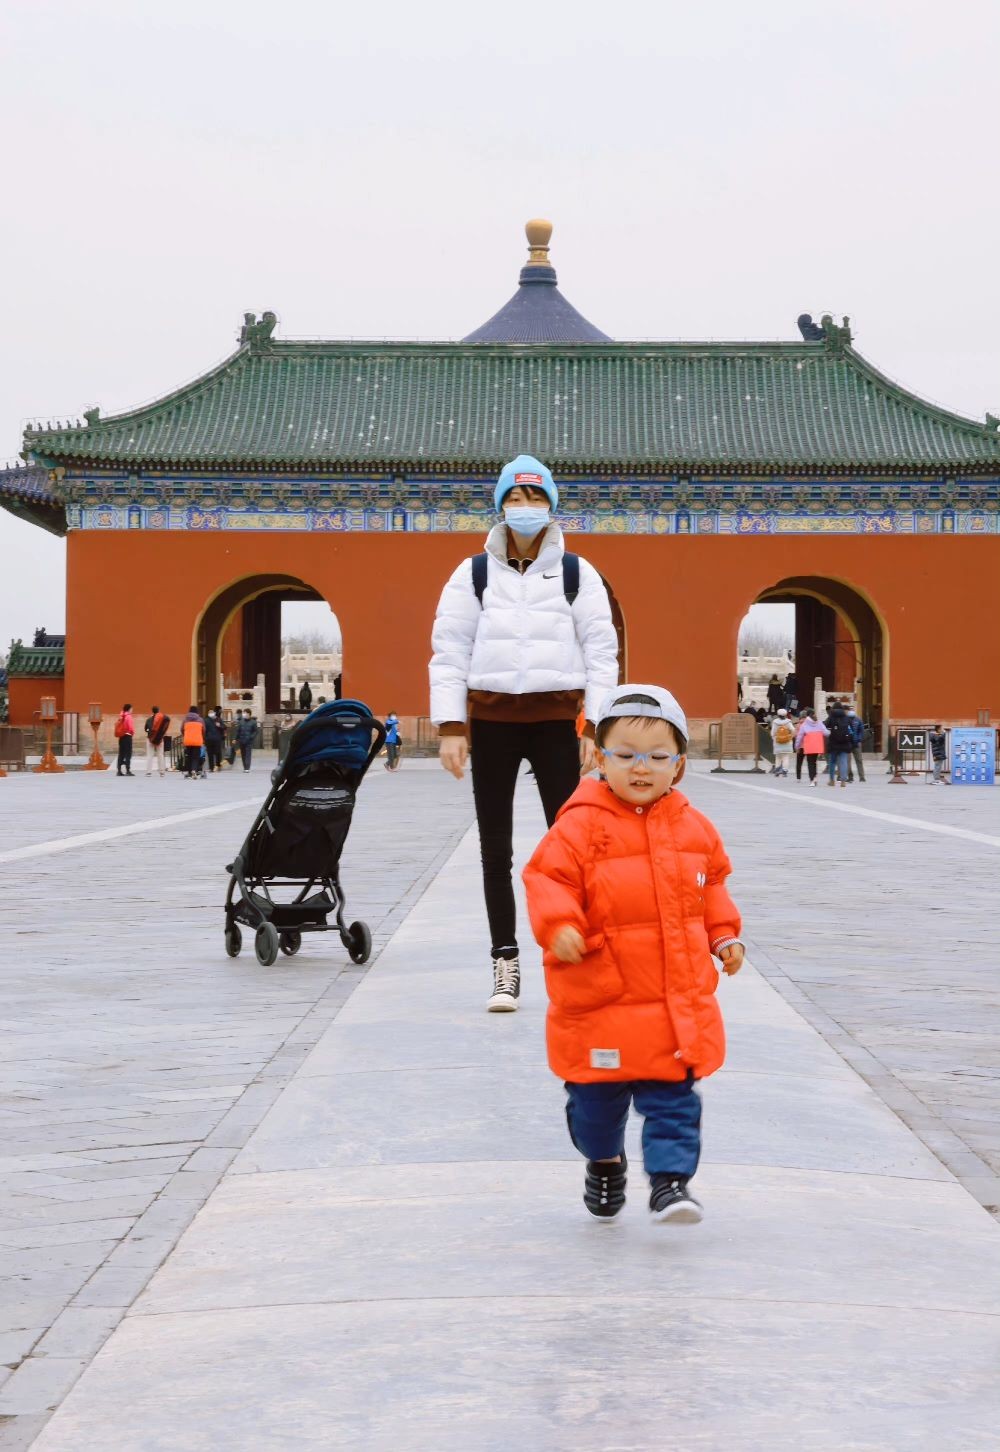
(338, 733)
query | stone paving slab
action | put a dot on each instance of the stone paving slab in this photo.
(136, 1057)
(887, 941)
(399, 1257)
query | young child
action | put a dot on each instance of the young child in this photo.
(627, 899)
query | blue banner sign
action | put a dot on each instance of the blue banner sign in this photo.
(973, 755)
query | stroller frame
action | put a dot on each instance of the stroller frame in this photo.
(280, 925)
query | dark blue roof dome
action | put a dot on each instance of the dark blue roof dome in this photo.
(538, 312)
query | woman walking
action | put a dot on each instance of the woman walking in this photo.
(522, 639)
(783, 741)
(810, 739)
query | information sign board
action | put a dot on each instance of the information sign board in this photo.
(738, 734)
(973, 755)
(912, 738)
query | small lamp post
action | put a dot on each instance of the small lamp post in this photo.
(95, 716)
(48, 714)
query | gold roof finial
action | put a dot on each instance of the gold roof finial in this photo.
(538, 231)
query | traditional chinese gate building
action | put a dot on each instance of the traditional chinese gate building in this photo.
(697, 477)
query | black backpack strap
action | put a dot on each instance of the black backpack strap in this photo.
(479, 571)
(571, 577)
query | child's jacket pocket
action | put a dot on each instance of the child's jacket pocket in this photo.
(591, 983)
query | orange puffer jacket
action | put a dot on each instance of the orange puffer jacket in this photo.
(646, 888)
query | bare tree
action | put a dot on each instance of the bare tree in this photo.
(757, 639)
(317, 641)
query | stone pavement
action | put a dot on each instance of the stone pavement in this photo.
(398, 1257)
(137, 1058)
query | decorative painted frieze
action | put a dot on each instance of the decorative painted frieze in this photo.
(289, 503)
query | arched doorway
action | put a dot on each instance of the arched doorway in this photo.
(239, 634)
(840, 641)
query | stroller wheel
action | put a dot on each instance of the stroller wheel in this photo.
(234, 940)
(359, 942)
(290, 942)
(265, 944)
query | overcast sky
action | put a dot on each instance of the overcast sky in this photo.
(712, 171)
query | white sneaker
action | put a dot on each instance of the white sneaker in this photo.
(506, 986)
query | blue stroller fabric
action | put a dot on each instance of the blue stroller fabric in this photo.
(338, 733)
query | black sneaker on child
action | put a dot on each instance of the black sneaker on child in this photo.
(506, 985)
(604, 1187)
(671, 1201)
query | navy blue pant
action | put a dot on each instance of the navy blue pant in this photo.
(671, 1128)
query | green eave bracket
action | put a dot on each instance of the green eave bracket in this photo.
(50, 517)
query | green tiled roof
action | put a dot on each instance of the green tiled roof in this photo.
(36, 660)
(581, 407)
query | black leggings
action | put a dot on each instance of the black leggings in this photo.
(552, 751)
(811, 761)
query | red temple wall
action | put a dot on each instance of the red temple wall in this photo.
(24, 697)
(683, 598)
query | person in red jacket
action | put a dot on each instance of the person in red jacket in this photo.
(125, 735)
(628, 900)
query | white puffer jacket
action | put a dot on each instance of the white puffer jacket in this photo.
(525, 637)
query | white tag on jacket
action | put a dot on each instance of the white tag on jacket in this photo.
(605, 1059)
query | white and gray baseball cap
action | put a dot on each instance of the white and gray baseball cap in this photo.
(667, 708)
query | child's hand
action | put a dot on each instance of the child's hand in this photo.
(568, 945)
(732, 958)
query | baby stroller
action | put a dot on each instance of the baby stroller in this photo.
(294, 845)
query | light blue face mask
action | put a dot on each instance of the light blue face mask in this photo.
(527, 519)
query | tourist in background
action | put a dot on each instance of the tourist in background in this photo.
(792, 691)
(523, 637)
(811, 740)
(246, 735)
(193, 737)
(156, 727)
(857, 754)
(125, 735)
(393, 741)
(840, 743)
(775, 694)
(783, 741)
(215, 738)
(939, 754)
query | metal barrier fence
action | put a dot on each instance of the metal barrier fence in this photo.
(65, 735)
(915, 761)
(12, 748)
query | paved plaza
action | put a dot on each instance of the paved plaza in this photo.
(322, 1206)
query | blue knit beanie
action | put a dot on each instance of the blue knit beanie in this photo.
(528, 471)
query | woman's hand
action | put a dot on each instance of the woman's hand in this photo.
(568, 945)
(588, 755)
(454, 753)
(732, 958)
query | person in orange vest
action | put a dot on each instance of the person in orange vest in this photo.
(193, 736)
(627, 897)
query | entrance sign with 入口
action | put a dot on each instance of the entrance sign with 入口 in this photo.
(973, 755)
(912, 738)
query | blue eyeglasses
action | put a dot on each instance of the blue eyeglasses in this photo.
(658, 760)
